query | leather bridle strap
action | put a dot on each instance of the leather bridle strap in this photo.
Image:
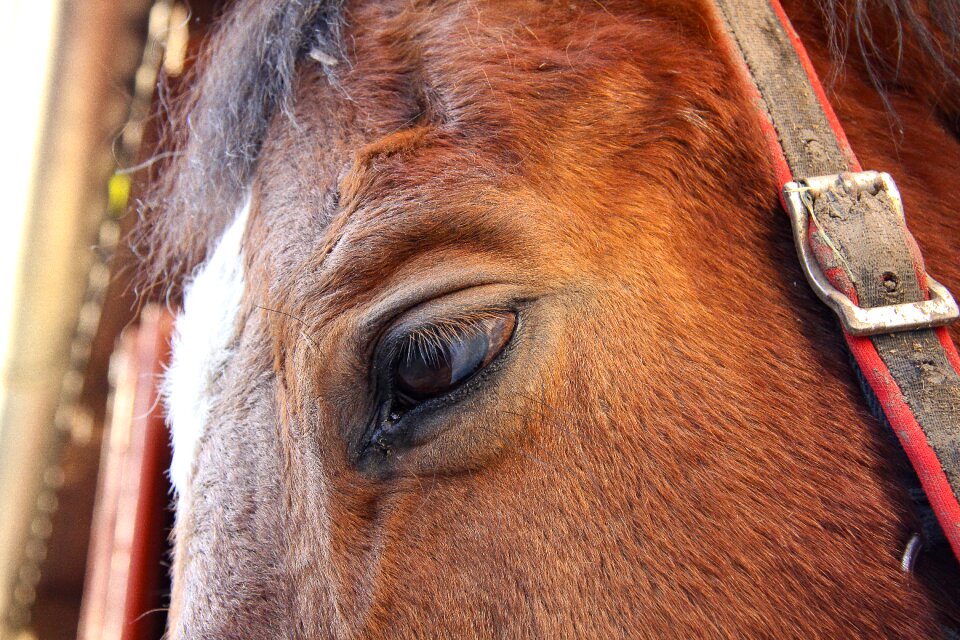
(857, 253)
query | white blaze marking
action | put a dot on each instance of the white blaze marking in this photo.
(201, 347)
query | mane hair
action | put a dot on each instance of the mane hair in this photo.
(212, 132)
(900, 43)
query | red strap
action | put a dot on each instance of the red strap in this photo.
(904, 423)
(875, 371)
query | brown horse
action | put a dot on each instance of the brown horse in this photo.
(500, 330)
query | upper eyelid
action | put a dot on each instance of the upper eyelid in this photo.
(381, 332)
(394, 308)
(455, 326)
(463, 325)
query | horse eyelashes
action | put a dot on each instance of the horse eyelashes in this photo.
(436, 358)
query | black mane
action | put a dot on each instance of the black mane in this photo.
(213, 133)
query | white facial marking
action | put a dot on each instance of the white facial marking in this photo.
(201, 342)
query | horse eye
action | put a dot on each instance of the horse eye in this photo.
(424, 372)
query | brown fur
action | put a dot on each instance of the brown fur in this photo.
(674, 446)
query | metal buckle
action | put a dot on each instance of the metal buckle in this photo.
(939, 310)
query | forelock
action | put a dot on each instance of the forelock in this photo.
(212, 133)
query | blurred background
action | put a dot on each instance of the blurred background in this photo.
(84, 499)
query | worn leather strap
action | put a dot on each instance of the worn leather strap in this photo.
(863, 246)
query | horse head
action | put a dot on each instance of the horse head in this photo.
(493, 329)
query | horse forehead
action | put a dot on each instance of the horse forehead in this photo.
(403, 194)
(498, 83)
(490, 169)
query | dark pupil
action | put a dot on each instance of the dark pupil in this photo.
(425, 372)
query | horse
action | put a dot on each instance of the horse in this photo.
(493, 326)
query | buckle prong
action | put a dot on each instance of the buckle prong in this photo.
(939, 310)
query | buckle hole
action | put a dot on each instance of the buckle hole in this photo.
(891, 283)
